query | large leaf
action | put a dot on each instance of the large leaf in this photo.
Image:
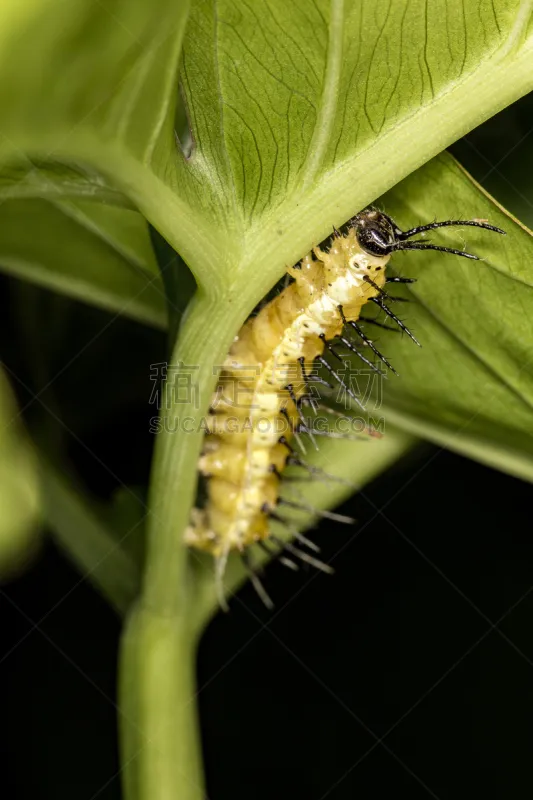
(280, 98)
(470, 386)
(99, 255)
(110, 116)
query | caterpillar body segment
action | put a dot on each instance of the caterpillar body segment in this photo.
(264, 376)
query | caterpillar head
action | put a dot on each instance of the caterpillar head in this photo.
(378, 235)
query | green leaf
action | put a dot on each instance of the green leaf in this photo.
(303, 113)
(470, 386)
(300, 113)
(122, 229)
(19, 488)
(110, 116)
(46, 179)
(104, 256)
(117, 64)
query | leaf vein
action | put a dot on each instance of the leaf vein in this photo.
(330, 90)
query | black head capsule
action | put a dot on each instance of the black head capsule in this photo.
(378, 235)
(375, 232)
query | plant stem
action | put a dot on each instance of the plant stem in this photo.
(159, 729)
(202, 346)
(160, 740)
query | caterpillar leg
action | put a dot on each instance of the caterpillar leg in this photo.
(199, 536)
(220, 569)
(197, 533)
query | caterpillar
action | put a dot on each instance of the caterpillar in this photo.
(267, 379)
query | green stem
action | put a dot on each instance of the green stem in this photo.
(157, 712)
(202, 346)
(160, 741)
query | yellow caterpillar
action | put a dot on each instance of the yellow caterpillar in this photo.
(266, 377)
